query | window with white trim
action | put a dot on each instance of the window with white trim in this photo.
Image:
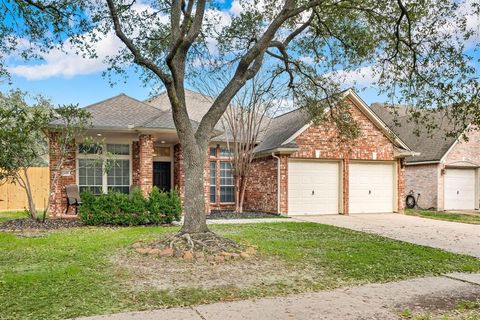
(227, 184)
(90, 175)
(100, 176)
(213, 181)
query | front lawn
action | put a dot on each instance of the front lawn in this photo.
(9, 215)
(471, 218)
(72, 272)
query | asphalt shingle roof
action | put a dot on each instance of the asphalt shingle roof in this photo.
(431, 145)
(124, 112)
(283, 127)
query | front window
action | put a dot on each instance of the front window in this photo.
(224, 152)
(118, 176)
(90, 175)
(213, 181)
(100, 176)
(227, 186)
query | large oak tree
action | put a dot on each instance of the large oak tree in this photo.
(414, 50)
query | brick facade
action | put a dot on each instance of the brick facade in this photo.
(264, 184)
(465, 153)
(429, 179)
(145, 162)
(261, 193)
(135, 163)
(423, 179)
(65, 176)
(371, 145)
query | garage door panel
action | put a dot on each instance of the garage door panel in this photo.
(460, 189)
(371, 187)
(320, 177)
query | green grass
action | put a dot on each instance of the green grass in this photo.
(447, 216)
(68, 273)
(9, 215)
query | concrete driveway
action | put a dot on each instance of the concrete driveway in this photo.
(450, 236)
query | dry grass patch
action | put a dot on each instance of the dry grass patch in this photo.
(171, 273)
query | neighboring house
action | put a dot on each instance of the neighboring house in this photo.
(299, 168)
(446, 173)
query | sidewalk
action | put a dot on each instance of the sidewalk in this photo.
(373, 301)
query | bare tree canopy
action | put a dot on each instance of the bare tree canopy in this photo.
(415, 50)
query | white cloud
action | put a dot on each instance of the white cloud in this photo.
(236, 8)
(67, 62)
(363, 77)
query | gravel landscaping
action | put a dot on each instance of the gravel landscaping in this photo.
(31, 224)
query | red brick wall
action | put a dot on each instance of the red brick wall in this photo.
(401, 185)
(58, 200)
(423, 179)
(261, 192)
(145, 161)
(326, 139)
(135, 163)
(465, 153)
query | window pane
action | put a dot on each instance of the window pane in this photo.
(119, 149)
(213, 175)
(213, 196)
(227, 185)
(90, 175)
(227, 194)
(213, 151)
(224, 152)
(118, 177)
(87, 148)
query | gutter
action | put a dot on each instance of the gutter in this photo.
(278, 181)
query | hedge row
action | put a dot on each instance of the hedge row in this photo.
(117, 208)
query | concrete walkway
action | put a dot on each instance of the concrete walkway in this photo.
(256, 220)
(374, 301)
(450, 236)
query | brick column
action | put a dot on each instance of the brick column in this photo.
(64, 176)
(345, 184)
(401, 185)
(135, 164)
(145, 162)
(283, 184)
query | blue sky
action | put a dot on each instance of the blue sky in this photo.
(67, 78)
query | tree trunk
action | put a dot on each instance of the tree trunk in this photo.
(243, 186)
(194, 203)
(31, 204)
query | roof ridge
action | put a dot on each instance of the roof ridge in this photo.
(101, 101)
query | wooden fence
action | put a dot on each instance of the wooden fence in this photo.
(13, 197)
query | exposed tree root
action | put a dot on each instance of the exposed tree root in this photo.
(207, 242)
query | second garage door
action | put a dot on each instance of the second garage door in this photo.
(313, 187)
(371, 187)
(460, 189)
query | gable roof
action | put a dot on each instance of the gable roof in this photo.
(197, 105)
(124, 112)
(285, 128)
(431, 145)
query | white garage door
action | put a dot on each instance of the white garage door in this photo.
(371, 187)
(313, 187)
(460, 189)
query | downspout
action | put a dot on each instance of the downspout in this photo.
(278, 181)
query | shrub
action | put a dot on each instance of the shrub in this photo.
(117, 208)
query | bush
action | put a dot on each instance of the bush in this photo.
(117, 208)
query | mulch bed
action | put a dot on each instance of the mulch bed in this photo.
(218, 214)
(30, 224)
